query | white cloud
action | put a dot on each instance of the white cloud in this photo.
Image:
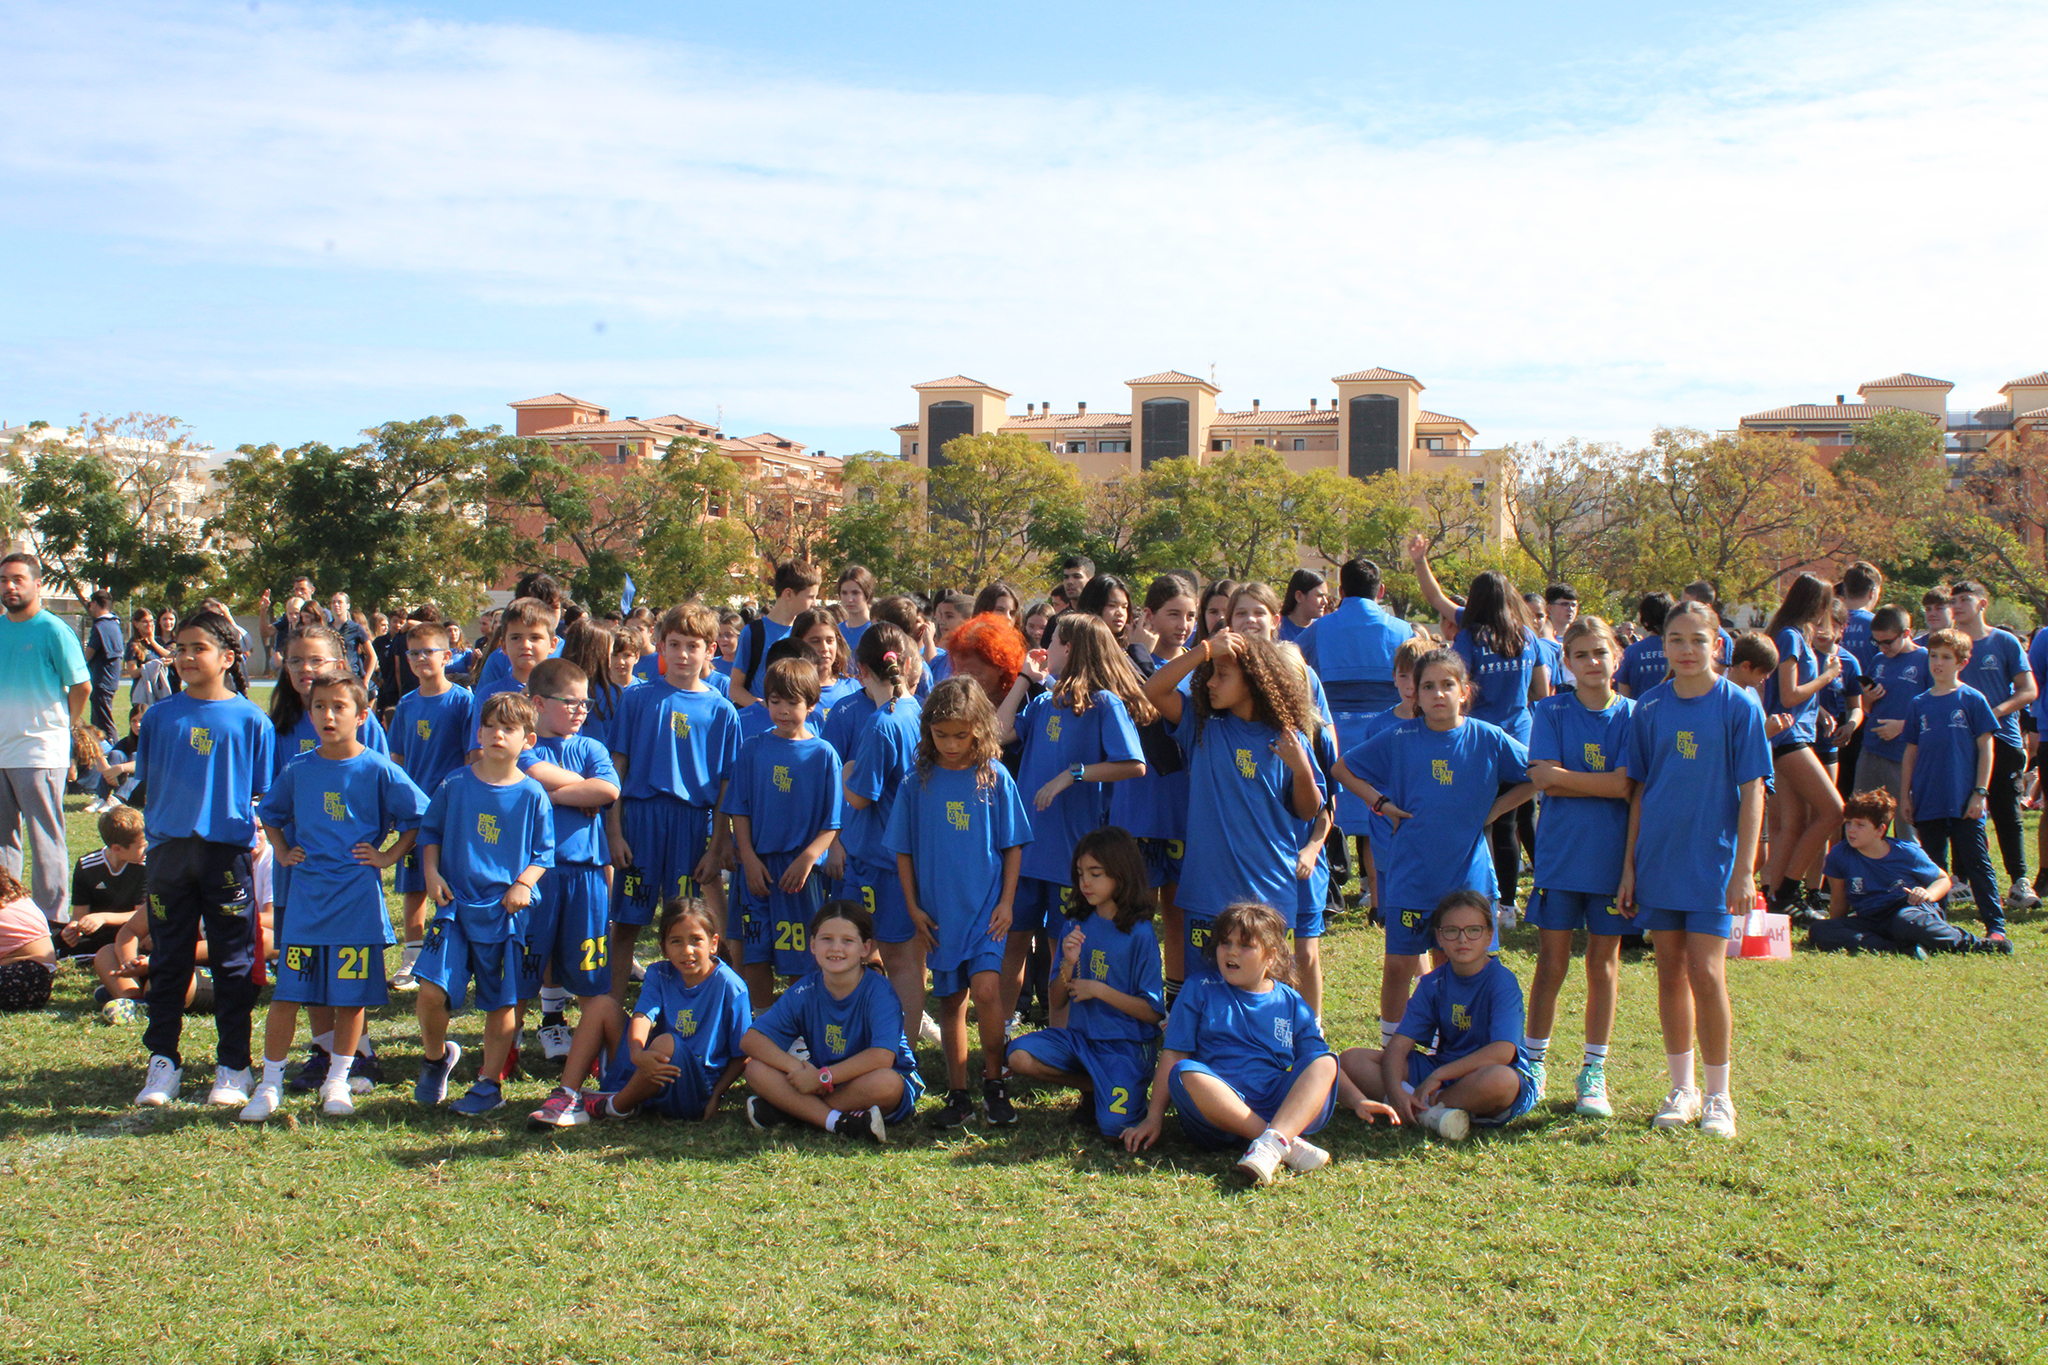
(1775, 220)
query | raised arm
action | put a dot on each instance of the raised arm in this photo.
(1432, 591)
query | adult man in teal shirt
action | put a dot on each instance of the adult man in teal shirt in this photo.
(43, 689)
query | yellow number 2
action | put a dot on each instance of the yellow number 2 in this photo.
(1121, 1104)
(595, 953)
(354, 965)
(789, 937)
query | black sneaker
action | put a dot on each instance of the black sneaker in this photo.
(1995, 942)
(995, 1098)
(958, 1111)
(101, 995)
(368, 1066)
(314, 1073)
(865, 1124)
(1083, 1115)
(764, 1115)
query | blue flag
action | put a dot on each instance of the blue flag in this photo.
(626, 597)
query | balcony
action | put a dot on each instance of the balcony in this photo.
(1988, 419)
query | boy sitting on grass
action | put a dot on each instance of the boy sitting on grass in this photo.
(107, 885)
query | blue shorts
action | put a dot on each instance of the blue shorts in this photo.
(350, 977)
(1713, 923)
(880, 892)
(986, 956)
(668, 838)
(1569, 910)
(410, 875)
(682, 1098)
(1162, 861)
(1312, 899)
(1353, 815)
(1120, 1072)
(776, 927)
(1265, 1104)
(567, 927)
(1038, 903)
(1420, 1066)
(1408, 934)
(913, 1091)
(449, 960)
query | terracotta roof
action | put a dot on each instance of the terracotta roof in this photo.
(676, 419)
(769, 438)
(958, 381)
(2038, 379)
(1279, 417)
(1905, 381)
(1079, 420)
(2038, 414)
(624, 427)
(1173, 377)
(905, 426)
(1821, 412)
(1367, 376)
(1437, 419)
(554, 400)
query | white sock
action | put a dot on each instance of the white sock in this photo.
(1680, 1066)
(611, 1105)
(365, 1048)
(832, 1121)
(1388, 1028)
(1537, 1048)
(337, 1071)
(273, 1073)
(1596, 1052)
(324, 1041)
(553, 999)
(412, 949)
(1717, 1078)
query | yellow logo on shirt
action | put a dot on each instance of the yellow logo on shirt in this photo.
(835, 1038)
(1461, 1018)
(487, 827)
(1098, 964)
(956, 814)
(1687, 745)
(1595, 760)
(336, 808)
(680, 723)
(306, 744)
(782, 782)
(1440, 769)
(686, 1023)
(1246, 764)
(1052, 726)
(424, 728)
(202, 739)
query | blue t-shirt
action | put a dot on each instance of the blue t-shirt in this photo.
(1465, 1013)
(676, 743)
(1242, 832)
(1877, 886)
(1501, 684)
(328, 806)
(829, 698)
(205, 763)
(848, 724)
(707, 1020)
(1793, 649)
(1290, 632)
(1584, 837)
(755, 720)
(487, 835)
(1447, 781)
(305, 738)
(1352, 812)
(1550, 654)
(431, 743)
(647, 668)
(1834, 698)
(833, 1029)
(1691, 756)
(1353, 649)
(1944, 730)
(1642, 666)
(1255, 1042)
(1054, 740)
(760, 636)
(887, 756)
(955, 831)
(1903, 677)
(1996, 663)
(1124, 962)
(788, 789)
(498, 668)
(852, 634)
(1856, 638)
(1155, 806)
(579, 833)
(103, 650)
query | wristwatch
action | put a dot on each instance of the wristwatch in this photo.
(1981, 791)
(825, 1080)
(1076, 771)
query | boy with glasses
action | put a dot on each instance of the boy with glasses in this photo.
(1897, 675)
(429, 741)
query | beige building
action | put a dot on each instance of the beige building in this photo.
(1830, 426)
(1374, 424)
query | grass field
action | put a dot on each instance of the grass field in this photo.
(1885, 1202)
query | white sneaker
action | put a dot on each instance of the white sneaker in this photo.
(1503, 916)
(230, 1088)
(1452, 1125)
(554, 1042)
(262, 1104)
(1304, 1156)
(928, 1031)
(1261, 1159)
(95, 806)
(337, 1100)
(403, 979)
(1679, 1109)
(2022, 896)
(160, 1086)
(1717, 1117)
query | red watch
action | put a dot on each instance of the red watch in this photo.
(825, 1079)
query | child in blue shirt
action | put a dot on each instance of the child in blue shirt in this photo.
(675, 742)
(1947, 771)
(785, 803)
(1896, 676)
(1885, 894)
(1698, 759)
(877, 765)
(205, 756)
(488, 836)
(958, 832)
(1109, 996)
(859, 1075)
(337, 803)
(1808, 809)
(527, 637)
(1578, 759)
(432, 738)
(679, 1049)
(1244, 1059)
(1643, 665)
(1471, 1009)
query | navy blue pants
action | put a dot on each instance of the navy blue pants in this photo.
(197, 885)
(1892, 931)
(1965, 839)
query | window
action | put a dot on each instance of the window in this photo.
(625, 453)
(1219, 444)
(1259, 441)
(1300, 444)
(864, 494)
(1479, 490)
(716, 507)
(913, 447)
(1045, 445)
(1433, 443)
(1114, 447)
(1077, 447)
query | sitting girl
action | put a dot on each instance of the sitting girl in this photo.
(1244, 1059)
(27, 957)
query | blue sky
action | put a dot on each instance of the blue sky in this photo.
(288, 222)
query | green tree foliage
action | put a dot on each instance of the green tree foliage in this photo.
(1237, 516)
(881, 521)
(984, 500)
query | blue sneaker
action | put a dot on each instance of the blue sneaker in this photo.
(1592, 1088)
(482, 1098)
(1539, 1076)
(313, 1074)
(432, 1086)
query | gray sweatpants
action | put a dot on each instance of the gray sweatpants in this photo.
(1874, 771)
(35, 797)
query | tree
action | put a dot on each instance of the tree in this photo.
(1117, 524)
(984, 499)
(111, 503)
(1561, 506)
(880, 523)
(1998, 530)
(1238, 515)
(789, 518)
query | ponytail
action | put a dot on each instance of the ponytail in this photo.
(883, 651)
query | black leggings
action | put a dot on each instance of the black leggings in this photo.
(2003, 806)
(1503, 835)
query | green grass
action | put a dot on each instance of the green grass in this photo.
(1885, 1202)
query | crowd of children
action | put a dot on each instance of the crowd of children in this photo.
(1122, 814)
